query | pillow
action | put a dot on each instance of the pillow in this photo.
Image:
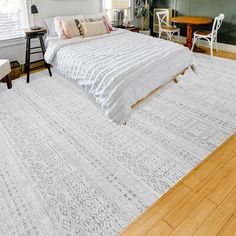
(57, 23)
(49, 23)
(101, 16)
(70, 29)
(94, 28)
(108, 24)
(78, 23)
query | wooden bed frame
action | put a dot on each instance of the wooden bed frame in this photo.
(155, 90)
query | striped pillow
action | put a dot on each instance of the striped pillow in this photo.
(94, 28)
(78, 23)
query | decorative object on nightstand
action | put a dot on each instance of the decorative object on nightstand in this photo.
(32, 34)
(118, 8)
(126, 22)
(5, 70)
(34, 11)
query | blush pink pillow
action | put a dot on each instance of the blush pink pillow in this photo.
(70, 29)
(104, 19)
(107, 24)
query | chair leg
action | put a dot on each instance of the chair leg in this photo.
(194, 41)
(179, 36)
(211, 46)
(9, 83)
(27, 59)
(216, 45)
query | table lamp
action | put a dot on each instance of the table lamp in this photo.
(34, 11)
(120, 6)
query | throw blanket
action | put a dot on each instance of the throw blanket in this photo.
(118, 69)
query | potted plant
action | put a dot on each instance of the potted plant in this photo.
(142, 11)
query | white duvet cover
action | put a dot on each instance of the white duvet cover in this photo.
(118, 69)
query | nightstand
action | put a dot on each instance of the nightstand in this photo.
(132, 28)
(32, 34)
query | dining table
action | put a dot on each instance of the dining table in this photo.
(190, 21)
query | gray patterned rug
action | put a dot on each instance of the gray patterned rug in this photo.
(66, 170)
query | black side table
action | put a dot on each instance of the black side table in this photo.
(31, 34)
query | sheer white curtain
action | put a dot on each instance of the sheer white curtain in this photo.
(13, 17)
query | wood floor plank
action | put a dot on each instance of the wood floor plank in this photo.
(200, 174)
(221, 53)
(156, 212)
(207, 166)
(184, 208)
(219, 217)
(229, 228)
(188, 211)
(161, 229)
(196, 218)
(226, 185)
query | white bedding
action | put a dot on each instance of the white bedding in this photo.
(118, 69)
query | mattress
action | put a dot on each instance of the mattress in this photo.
(118, 69)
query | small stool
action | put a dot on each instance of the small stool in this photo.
(31, 34)
(5, 70)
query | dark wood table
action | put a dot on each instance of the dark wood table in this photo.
(190, 21)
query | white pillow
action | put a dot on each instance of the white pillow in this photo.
(57, 23)
(49, 23)
(94, 28)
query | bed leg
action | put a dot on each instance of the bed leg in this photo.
(176, 81)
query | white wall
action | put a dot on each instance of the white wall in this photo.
(67, 7)
(48, 8)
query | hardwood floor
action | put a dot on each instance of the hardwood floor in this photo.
(224, 54)
(203, 203)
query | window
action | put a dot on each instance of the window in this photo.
(13, 17)
(110, 7)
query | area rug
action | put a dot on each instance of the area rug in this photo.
(66, 170)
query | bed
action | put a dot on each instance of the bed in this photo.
(118, 69)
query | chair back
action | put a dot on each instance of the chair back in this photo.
(217, 24)
(163, 18)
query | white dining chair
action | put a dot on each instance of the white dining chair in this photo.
(164, 26)
(5, 70)
(210, 36)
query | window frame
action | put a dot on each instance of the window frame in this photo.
(18, 39)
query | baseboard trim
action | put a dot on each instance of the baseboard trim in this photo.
(204, 43)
